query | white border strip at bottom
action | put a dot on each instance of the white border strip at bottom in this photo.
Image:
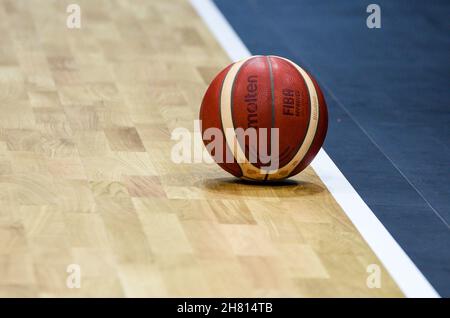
(405, 273)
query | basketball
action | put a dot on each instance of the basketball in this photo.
(271, 117)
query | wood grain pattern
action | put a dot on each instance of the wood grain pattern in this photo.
(86, 176)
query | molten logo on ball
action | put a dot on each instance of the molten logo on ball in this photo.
(264, 94)
(250, 99)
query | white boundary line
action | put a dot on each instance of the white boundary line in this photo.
(405, 273)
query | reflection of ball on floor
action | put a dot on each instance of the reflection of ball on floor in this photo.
(257, 94)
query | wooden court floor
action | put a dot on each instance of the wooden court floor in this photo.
(86, 176)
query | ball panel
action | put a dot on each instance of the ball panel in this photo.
(248, 170)
(210, 118)
(252, 106)
(321, 133)
(283, 172)
(292, 113)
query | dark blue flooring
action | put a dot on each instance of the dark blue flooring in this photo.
(388, 94)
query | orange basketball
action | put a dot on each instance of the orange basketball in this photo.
(271, 115)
